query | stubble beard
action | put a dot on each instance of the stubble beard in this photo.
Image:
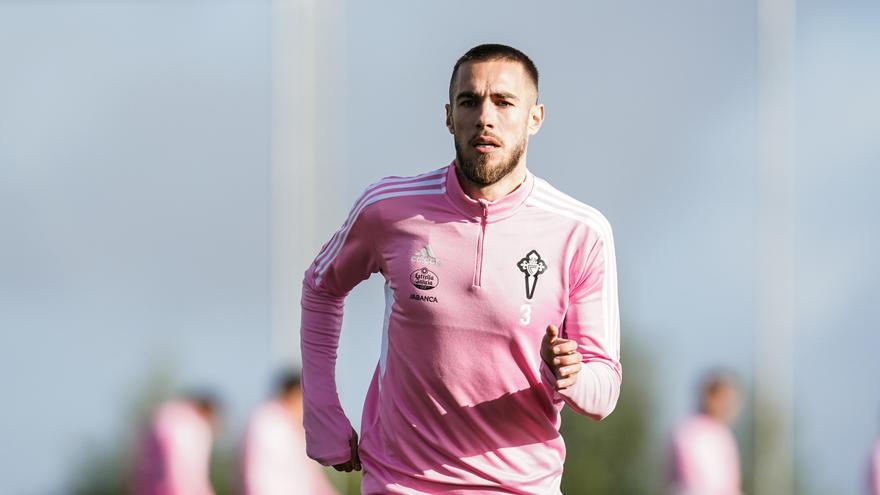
(478, 170)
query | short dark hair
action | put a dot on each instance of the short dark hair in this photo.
(715, 380)
(494, 51)
(287, 382)
(205, 400)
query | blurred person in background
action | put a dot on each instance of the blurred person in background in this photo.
(175, 451)
(274, 460)
(874, 469)
(501, 307)
(705, 458)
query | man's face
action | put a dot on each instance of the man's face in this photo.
(211, 416)
(724, 403)
(492, 113)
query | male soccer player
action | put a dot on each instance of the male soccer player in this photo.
(501, 307)
(175, 451)
(274, 460)
(705, 456)
(874, 470)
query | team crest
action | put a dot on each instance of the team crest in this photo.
(531, 266)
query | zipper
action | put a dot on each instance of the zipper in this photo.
(478, 270)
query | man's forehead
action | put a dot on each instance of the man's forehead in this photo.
(508, 76)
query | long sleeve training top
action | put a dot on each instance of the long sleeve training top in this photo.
(175, 453)
(461, 400)
(274, 458)
(705, 458)
(874, 474)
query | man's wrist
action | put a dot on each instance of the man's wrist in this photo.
(548, 373)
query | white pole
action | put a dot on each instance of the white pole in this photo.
(293, 165)
(775, 332)
(307, 129)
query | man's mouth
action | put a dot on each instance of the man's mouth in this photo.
(486, 144)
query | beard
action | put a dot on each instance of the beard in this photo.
(480, 172)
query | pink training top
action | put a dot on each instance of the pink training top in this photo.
(461, 399)
(875, 470)
(274, 457)
(175, 454)
(706, 461)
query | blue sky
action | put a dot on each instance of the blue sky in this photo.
(134, 170)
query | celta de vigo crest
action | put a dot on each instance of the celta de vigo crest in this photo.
(531, 266)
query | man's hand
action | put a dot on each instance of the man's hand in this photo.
(353, 464)
(562, 357)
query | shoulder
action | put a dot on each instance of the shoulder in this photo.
(263, 413)
(555, 202)
(394, 186)
(393, 189)
(704, 428)
(267, 418)
(173, 411)
(177, 417)
(689, 429)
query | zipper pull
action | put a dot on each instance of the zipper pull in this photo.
(485, 207)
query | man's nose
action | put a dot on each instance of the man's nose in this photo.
(487, 114)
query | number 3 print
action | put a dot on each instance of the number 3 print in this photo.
(525, 314)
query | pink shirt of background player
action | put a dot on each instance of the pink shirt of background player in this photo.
(874, 475)
(176, 452)
(274, 458)
(706, 460)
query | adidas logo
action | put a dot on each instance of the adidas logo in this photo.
(425, 256)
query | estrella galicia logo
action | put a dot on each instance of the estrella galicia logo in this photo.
(531, 266)
(424, 279)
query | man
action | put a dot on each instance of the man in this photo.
(175, 452)
(274, 460)
(874, 470)
(705, 456)
(501, 307)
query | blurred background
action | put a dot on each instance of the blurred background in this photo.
(168, 169)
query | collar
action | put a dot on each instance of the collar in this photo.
(492, 211)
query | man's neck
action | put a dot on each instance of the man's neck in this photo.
(292, 405)
(715, 416)
(495, 191)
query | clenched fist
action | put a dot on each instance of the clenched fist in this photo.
(562, 357)
(353, 464)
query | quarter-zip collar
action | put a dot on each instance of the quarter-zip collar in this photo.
(484, 210)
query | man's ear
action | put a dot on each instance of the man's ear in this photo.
(449, 124)
(536, 118)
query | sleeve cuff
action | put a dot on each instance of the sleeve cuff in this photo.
(334, 459)
(548, 378)
(548, 374)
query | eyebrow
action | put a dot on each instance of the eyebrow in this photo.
(471, 94)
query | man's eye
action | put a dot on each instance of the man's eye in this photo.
(503, 103)
(467, 103)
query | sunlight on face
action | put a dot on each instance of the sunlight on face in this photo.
(492, 113)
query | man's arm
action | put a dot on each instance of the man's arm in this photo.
(875, 470)
(583, 365)
(346, 260)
